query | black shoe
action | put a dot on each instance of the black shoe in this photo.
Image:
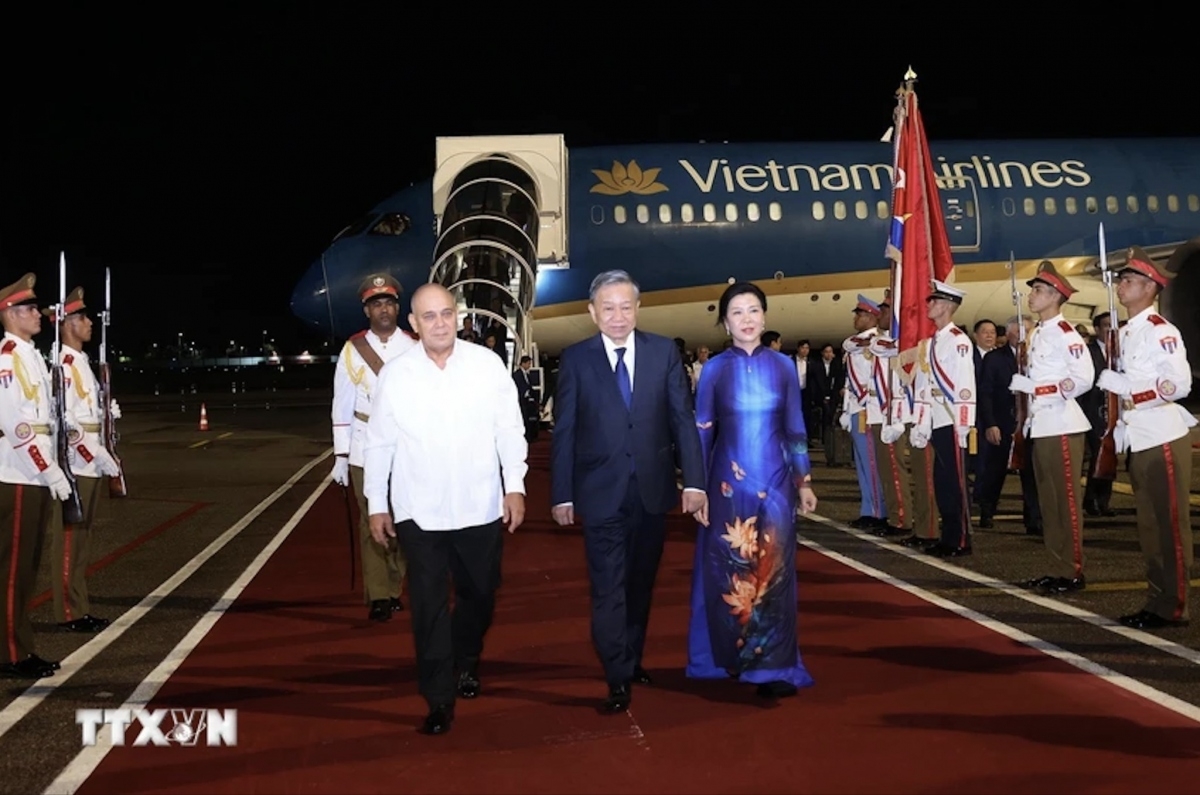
(1144, 619)
(641, 677)
(468, 685)
(986, 522)
(947, 551)
(1063, 584)
(1106, 511)
(438, 720)
(1038, 583)
(381, 610)
(53, 665)
(617, 701)
(776, 689)
(916, 542)
(84, 624)
(32, 667)
(396, 604)
(1091, 508)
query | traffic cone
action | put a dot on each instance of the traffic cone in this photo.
(203, 418)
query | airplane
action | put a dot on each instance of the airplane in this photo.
(807, 222)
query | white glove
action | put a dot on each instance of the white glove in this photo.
(115, 408)
(1114, 382)
(883, 347)
(844, 421)
(964, 434)
(1120, 437)
(341, 471)
(105, 463)
(918, 438)
(1021, 383)
(891, 433)
(60, 487)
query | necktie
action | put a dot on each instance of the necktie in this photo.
(623, 378)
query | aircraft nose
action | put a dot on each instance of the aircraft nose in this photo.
(308, 299)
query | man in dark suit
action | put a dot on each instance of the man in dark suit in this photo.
(622, 412)
(527, 395)
(1098, 492)
(827, 378)
(996, 419)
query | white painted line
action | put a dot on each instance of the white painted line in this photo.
(1167, 701)
(35, 694)
(1011, 589)
(89, 758)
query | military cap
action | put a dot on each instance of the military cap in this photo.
(379, 284)
(1138, 261)
(73, 304)
(867, 305)
(19, 292)
(1047, 273)
(945, 292)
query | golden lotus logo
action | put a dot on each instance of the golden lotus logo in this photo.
(627, 179)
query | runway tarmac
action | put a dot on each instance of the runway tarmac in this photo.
(203, 505)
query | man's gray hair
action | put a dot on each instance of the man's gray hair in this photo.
(612, 277)
(1015, 320)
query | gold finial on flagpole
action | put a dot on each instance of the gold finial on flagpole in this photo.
(910, 75)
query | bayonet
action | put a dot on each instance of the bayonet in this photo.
(116, 483)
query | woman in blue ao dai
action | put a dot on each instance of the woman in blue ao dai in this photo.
(748, 412)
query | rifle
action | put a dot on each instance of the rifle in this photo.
(1016, 451)
(108, 428)
(73, 505)
(1104, 466)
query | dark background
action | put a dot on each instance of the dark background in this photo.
(207, 154)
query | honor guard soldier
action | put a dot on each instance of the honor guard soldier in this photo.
(353, 389)
(70, 546)
(31, 482)
(944, 416)
(890, 441)
(1060, 370)
(861, 415)
(1153, 375)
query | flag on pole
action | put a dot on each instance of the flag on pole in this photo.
(917, 243)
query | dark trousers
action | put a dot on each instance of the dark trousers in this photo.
(623, 552)
(1098, 493)
(950, 486)
(447, 641)
(995, 471)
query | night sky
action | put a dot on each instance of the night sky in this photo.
(209, 158)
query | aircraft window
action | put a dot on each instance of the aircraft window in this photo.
(860, 210)
(731, 213)
(687, 214)
(710, 213)
(392, 224)
(819, 211)
(970, 208)
(664, 213)
(597, 214)
(1131, 203)
(1173, 203)
(1092, 205)
(1009, 206)
(1030, 206)
(1152, 203)
(775, 210)
(1072, 205)
(752, 211)
(619, 214)
(839, 211)
(643, 213)
(359, 225)
(1193, 202)
(1110, 204)
(1050, 206)
(882, 210)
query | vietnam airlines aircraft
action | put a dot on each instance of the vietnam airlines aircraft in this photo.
(518, 232)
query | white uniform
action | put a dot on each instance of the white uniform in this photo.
(1155, 374)
(862, 391)
(902, 396)
(89, 457)
(353, 388)
(1061, 370)
(27, 451)
(945, 386)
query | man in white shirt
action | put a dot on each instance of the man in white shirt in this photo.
(446, 437)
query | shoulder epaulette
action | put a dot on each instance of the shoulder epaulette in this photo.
(1157, 320)
(955, 330)
(70, 357)
(1065, 326)
(362, 333)
(412, 335)
(9, 347)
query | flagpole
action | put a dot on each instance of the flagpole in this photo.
(898, 117)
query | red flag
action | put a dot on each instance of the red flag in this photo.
(918, 245)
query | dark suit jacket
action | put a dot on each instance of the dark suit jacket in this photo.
(595, 436)
(1093, 400)
(997, 406)
(826, 386)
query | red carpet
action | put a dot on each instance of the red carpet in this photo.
(908, 698)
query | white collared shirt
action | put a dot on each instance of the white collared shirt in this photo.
(610, 348)
(450, 442)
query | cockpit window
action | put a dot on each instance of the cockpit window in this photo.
(359, 225)
(392, 224)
